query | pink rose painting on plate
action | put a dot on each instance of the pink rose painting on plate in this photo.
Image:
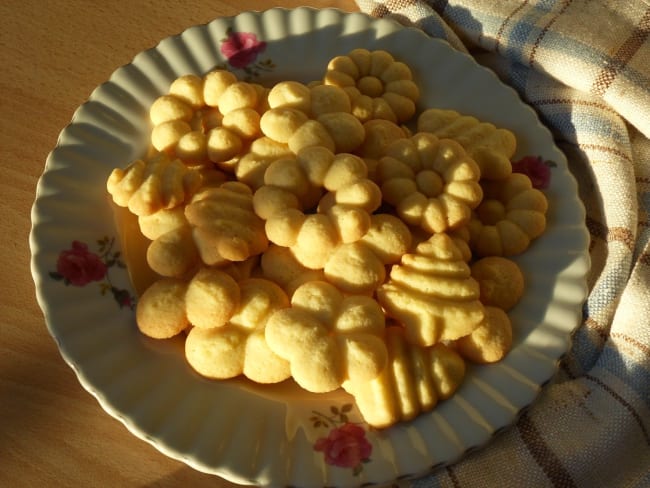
(78, 266)
(242, 49)
(346, 445)
(536, 168)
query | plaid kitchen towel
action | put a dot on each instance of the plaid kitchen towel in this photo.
(584, 66)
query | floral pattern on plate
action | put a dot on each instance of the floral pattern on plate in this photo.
(346, 445)
(242, 49)
(78, 266)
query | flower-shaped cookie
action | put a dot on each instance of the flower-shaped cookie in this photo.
(239, 346)
(431, 182)
(379, 86)
(279, 265)
(432, 294)
(360, 267)
(146, 186)
(337, 131)
(511, 215)
(328, 338)
(300, 182)
(217, 227)
(489, 146)
(224, 224)
(295, 185)
(414, 381)
(209, 118)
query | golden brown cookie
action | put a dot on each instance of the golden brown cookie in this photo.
(239, 346)
(328, 338)
(432, 294)
(224, 225)
(511, 215)
(379, 86)
(489, 146)
(490, 341)
(431, 182)
(211, 299)
(148, 185)
(414, 381)
(160, 312)
(501, 281)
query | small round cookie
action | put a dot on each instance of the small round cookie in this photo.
(174, 253)
(211, 299)
(500, 280)
(160, 312)
(490, 341)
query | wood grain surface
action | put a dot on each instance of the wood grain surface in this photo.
(53, 54)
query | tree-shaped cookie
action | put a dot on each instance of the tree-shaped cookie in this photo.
(432, 294)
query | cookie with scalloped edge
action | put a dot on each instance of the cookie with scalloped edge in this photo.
(327, 337)
(510, 217)
(490, 146)
(431, 182)
(379, 86)
(238, 347)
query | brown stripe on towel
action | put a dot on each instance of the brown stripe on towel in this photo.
(595, 326)
(627, 50)
(598, 230)
(391, 6)
(645, 259)
(632, 341)
(546, 28)
(623, 402)
(505, 22)
(452, 477)
(543, 455)
(621, 234)
(606, 149)
(571, 102)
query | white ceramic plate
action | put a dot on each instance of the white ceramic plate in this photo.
(266, 436)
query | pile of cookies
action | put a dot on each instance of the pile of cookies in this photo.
(303, 231)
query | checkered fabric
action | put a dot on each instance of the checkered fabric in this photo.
(584, 66)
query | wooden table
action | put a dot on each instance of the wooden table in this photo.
(54, 53)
